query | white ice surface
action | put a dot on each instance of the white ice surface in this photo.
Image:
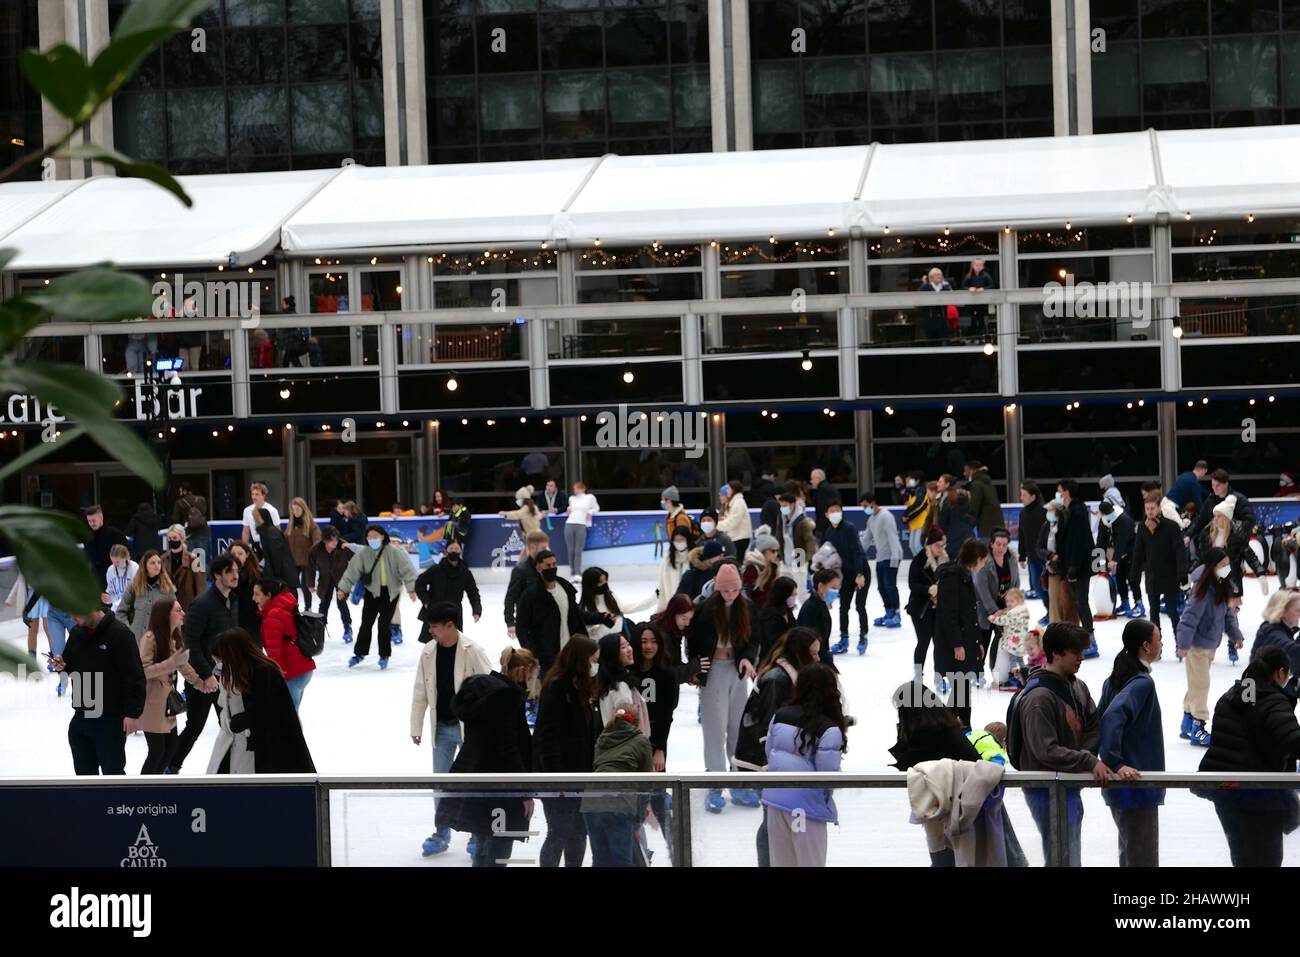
(357, 722)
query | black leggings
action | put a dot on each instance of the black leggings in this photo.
(850, 594)
(197, 705)
(566, 832)
(161, 748)
(924, 627)
(306, 591)
(377, 609)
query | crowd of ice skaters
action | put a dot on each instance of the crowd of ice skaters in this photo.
(744, 613)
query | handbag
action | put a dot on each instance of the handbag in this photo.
(175, 704)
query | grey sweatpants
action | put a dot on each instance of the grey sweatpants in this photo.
(804, 846)
(722, 704)
(575, 537)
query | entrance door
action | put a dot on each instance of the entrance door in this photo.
(334, 479)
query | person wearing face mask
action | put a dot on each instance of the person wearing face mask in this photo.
(881, 533)
(564, 741)
(956, 632)
(549, 613)
(525, 512)
(150, 584)
(762, 567)
(674, 564)
(723, 643)
(1281, 618)
(1060, 601)
(1255, 729)
(798, 540)
(922, 592)
(1210, 612)
(449, 581)
(710, 532)
(675, 515)
(497, 741)
(705, 562)
(1115, 535)
(735, 522)
(385, 571)
(177, 563)
(445, 663)
(815, 613)
(911, 494)
(524, 575)
(844, 538)
(1158, 554)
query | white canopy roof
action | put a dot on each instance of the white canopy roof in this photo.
(916, 186)
(134, 223)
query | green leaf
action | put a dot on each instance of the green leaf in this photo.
(87, 398)
(7, 253)
(61, 75)
(39, 451)
(17, 318)
(127, 167)
(117, 61)
(53, 562)
(143, 16)
(13, 661)
(29, 518)
(95, 295)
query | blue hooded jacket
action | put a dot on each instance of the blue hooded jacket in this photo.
(1130, 733)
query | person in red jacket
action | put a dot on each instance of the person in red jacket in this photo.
(276, 606)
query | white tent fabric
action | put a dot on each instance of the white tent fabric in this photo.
(20, 202)
(1232, 171)
(396, 206)
(134, 223)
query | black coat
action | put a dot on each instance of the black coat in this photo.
(1277, 633)
(566, 732)
(1074, 542)
(142, 529)
(1161, 556)
(919, 579)
(1241, 512)
(816, 614)
(353, 530)
(278, 555)
(326, 569)
(105, 664)
(561, 502)
(820, 498)
(660, 691)
(450, 582)
(771, 693)
(209, 615)
(1119, 535)
(522, 577)
(956, 623)
(1032, 519)
(537, 621)
(98, 546)
(1258, 735)
(274, 732)
(704, 633)
(694, 579)
(958, 524)
(497, 741)
(934, 744)
(772, 624)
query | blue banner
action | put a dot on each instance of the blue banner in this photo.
(211, 825)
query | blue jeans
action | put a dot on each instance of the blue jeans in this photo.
(296, 685)
(887, 583)
(446, 742)
(1039, 808)
(916, 541)
(1036, 568)
(612, 839)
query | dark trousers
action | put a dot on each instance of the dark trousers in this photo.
(98, 744)
(345, 610)
(924, 628)
(959, 699)
(197, 705)
(161, 748)
(490, 850)
(377, 609)
(307, 593)
(613, 839)
(887, 583)
(1119, 580)
(1153, 607)
(1139, 835)
(1082, 600)
(1254, 834)
(760, 844)
(566, 832)
(848, 590)
(742, 546)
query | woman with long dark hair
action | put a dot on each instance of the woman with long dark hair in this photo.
(675, 620)
(616, 684)
(675, 562)
(922, 589)
(565, 741)
(956, 631)
(162, 653)
(1211, 611)
(250, 572)
(810, 734)
(660, 691)
(777, 616)
(260, 732)
(598, 600)
(276, 605)
(1132, 741)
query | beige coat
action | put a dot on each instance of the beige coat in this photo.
(735, 522)
(471, 659)
(301, 540)
(159, 677)
(530, 520)
(947, 797)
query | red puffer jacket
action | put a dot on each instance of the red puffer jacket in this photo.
(280, 636)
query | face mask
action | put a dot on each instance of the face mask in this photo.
(1110, 519)
(1223, 572)
(1051, 518)
(519, 502)
(868, 511)
(835, 517)
(176, 546)
(831, 595)
(707, 527)
(664, 506)
(679, 545)
(602, 589)
(375, 543)
(1059, 498)
(785, 511)
(595, 668)
(453, 557)
(791, 602)
(550, 574)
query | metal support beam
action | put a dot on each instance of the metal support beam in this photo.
(389, 13)
(1083, 65)
(719, 76)
(742, 106)
(572, 429)
(692, 367)
(539, 383)
(388, 391)
(848, 353)
(1167, 424)
(1015, 438)
(717, 457)
(1060, 71)
(416, 105)
(863, 428)
(1007, 317)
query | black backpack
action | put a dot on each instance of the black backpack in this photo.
(311, 632)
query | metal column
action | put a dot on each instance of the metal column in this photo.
(717, 456)
(692, 367)
(572, 449)
(863, 431)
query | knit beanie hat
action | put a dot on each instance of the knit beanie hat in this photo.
(711, 549)
(1226, 507)
(1107, 481)
(525, 493)
(670, 494)
(935, 535)
(727, 575)
(763, 542)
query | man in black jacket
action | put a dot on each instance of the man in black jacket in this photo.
(1115, 536)
(1033, 515)
(326, 563)
(108, 688)
(1074, 545)
(102, 539)
(1220, 484)
(548, 613)
(820, 494)
(450, 580)
(1158, 552)
(212, 612)
(524, 575)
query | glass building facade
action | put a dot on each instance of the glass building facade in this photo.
(269, 85)
(20, 107)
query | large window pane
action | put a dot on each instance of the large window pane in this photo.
(1245, 73)
(636, 37)
(1115, 82)
(969, 78)
(255, 57)
(1097, 370)
(509, 109)
(778, 333)
(776, 98)
(967, 23)
(259, 120)
(197, 123)
(691, 99)
(139, 127)
(318, 53)
(902, 90)
(613, 339)
(1240, 316)
(322, 119)
(489, 342)
(835, 92)
(575, 106)
(1174, 76)
(899, 25)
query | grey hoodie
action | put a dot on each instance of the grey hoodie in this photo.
(882, 531)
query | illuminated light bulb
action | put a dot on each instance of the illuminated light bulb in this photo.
(582, 418)
(950, 409)
(284, 393)
(1187, 217)
(270, 431)
(1250, 217)
(988, 348)
(1129, 405)
(215, 433)
(1252, 402)
(1272, 398)
(452, 384)
(774, 415)
(1205, 400)
(1006, 230)
(628, 376)
(806, 363)
(1178, 331)
(1141, 403)
(1190, 403)
(1129, 219)
(464, 421)
(230, 428)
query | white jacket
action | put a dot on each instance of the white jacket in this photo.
(471, 659)
(594, 632)
(735, 522)
(670, 577)
(242, 760)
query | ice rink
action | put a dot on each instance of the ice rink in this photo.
(357, 723)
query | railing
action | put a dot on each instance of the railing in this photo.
(533, 785)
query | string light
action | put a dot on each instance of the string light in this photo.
(1272, 398)
(452, 384)
(988, 348)
(1011, 407)
(284, 393)
(1187, 217)
(628, 375)
(806, 364)
(1250, 217)
(1178, 329)
(230, 428)
(270, 431)
(464, 421)
(1129, 219)
(950, 408)
(1142, 403)
(889, 410)
(1006, 230)
(546, 421)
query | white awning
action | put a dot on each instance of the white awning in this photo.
(134, 223)
(717, 195)
(20, 202)
(1232, 171)
(403, 206)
